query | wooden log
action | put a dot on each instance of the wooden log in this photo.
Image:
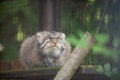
(78, 55)
(83, 73)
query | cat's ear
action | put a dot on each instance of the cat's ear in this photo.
(38, 37)
(62, 35)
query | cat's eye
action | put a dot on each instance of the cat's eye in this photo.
(38, 35)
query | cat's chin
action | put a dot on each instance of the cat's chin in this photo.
(53, 52)
(56, 53)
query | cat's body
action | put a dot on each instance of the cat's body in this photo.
(45, 49)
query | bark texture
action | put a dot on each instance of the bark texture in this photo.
(77, 56)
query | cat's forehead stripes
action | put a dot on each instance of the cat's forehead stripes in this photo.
(52, 34)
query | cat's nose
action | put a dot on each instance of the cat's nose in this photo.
(54, 41)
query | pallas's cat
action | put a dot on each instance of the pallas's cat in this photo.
(45, 49)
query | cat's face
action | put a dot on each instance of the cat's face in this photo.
(51, 43)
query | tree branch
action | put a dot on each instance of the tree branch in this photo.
(79, 53)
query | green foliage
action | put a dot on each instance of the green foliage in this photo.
(102, 38)
(73, 40)
(106, 19)
(91, 1)
(114, 70)
(100, 46)
(100, 49)
(116, 42)
(107, 67)
(11, 8)
(20, 35)
(107, 70)
(100, 69)
(17, 19)
(11, 51)
(77, 41)
(113, 53)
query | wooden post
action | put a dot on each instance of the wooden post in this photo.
(50, 13)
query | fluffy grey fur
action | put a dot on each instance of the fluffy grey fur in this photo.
(45, 49)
